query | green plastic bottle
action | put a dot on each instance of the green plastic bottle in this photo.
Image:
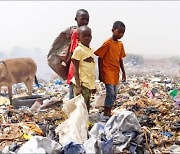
(173, 93)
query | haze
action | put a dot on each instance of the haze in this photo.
(151, 27)
(28, 28)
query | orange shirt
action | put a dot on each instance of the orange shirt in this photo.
(111, 52)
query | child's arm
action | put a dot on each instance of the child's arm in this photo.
(100, 65)
(68, 60)
(76, 75)
(123, 71)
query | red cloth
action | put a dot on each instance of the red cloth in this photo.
(74, 43)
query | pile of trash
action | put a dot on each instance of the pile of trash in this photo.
(145, 119)
(156, 103)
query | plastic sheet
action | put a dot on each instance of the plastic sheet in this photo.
(74, 129)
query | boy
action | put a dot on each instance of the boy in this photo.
(59, 57)
(110, 62)
(82, 18)
(84, 65)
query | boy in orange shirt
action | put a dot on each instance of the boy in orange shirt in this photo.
(110, 62)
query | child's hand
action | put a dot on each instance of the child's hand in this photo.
(93, 91)
(78, 90)
(123, 77)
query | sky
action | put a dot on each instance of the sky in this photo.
(152, 27)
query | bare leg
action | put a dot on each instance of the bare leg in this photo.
(107, 111)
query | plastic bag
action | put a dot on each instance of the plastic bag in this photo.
(121, 127)
(39, 144)
(75, 128)
(98, 100)
(98, 143)
(73, 148)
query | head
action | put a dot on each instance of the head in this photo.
(84, 35)
(118, 30)
(82, 17)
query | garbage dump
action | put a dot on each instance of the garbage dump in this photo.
(145, 118)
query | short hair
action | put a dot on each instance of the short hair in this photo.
(81, 10)
(82, 28)
(118, 24)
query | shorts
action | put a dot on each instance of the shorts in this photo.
(111, 93)
(86, 93)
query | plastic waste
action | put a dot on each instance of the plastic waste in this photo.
(94, 117)
(11, 149)
(167, 80)
(166, 134)
(149, 94)
(27, 136)
(36, 105)
(98, 100)
(73, 148)
(39, 85)
(4, 100)
(98, 142)
(146, 121)
(103, 145)
(177, 101)
(154, 91)
(39, 144)
(125, 83)
(117, 125)
(175, 149)
(89, 145)
(58, 82)
(96, 130)
(33, 128)
(150, 110)
(75, 128)
(173, 93)
(48, 102)
(175, 126)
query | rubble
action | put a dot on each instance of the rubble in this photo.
(153, 99)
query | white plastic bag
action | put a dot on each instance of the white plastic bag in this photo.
(89, 145)
(39, 144)
(99, 100)
(75, 128)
